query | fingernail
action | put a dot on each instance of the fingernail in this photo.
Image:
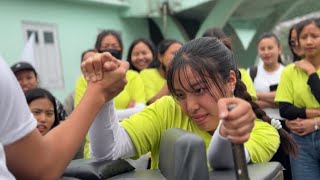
(87, 78)
(94, 78)
(222, 115)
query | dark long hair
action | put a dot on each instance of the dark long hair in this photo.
(210, 59)
(39, 93)
(304, 23)
(295, 57)
(133, 44)
(271, 35)
(162, 47)
(105, 33)
(85, 52)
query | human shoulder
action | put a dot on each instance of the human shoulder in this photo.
(16, 118)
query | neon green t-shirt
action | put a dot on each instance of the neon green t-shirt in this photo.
(293, 88)
(134, 90)
(145, 129)
(246, 79)
(153, 82)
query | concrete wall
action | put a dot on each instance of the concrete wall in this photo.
(77, 24)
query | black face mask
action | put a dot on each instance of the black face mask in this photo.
(115, 53)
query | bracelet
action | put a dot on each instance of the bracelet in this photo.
(316, 126)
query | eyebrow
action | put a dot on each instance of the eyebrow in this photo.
(42, 109)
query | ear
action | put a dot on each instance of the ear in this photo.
(231, 84)
(160, 57)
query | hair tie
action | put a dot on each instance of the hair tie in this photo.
(276, 123)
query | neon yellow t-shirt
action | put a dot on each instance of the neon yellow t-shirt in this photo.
(246, 79)
(153, 82)
(293, 88)
(145, 129)
(134, 90)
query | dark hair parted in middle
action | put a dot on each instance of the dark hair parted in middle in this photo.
(39, 93)
(148, 43)
(271, 35)
(162, 47)
(211, 60)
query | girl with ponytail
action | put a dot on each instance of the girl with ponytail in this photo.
(203, 80)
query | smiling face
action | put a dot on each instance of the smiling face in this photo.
(141, 56)
(43, 110)
(198, 97)
(269, 50)
(310, 40)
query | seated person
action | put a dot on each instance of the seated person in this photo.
(28, 79)
(43, 107)
(203, 79)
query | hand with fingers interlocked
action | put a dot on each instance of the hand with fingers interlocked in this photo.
(105, 73)
(300, 126)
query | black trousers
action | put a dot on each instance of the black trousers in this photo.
(283, 158)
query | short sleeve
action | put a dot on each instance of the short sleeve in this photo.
(284, 91)
(16, 119)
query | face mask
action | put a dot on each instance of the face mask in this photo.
(115, 53)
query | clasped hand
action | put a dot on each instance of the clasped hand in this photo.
(106, 73)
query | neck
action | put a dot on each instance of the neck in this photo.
(162, 73)
(271, 67)
(314, 60)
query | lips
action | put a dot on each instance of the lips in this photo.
(41, 128)
(199, 118)
(310, 49)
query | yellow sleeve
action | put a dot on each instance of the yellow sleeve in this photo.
(86, 153)
(81, 87)
(263, 143)
(284, 91)
(246, 79)
(136, 89)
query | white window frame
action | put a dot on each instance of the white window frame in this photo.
(47, 55)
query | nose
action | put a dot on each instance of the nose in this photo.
(42, 117)
(140, 56)
(23, 82)
(309, 40)
(192, 104)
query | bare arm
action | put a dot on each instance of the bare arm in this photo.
(45, 157)
(266, 96)
(163, 92)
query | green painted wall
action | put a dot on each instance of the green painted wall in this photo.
(77, 25)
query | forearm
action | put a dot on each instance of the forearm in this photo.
(314, 84)
(266, 96)
(125, 113)
(162, 92)
(54, 150)
(311, 113)
(265, 104)
(109, 140)
(290, 112)
(63, 142)
(220, 152)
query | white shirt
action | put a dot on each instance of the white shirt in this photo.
(262, 83)
(16, 119)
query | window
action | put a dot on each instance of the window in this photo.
(46, 53)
